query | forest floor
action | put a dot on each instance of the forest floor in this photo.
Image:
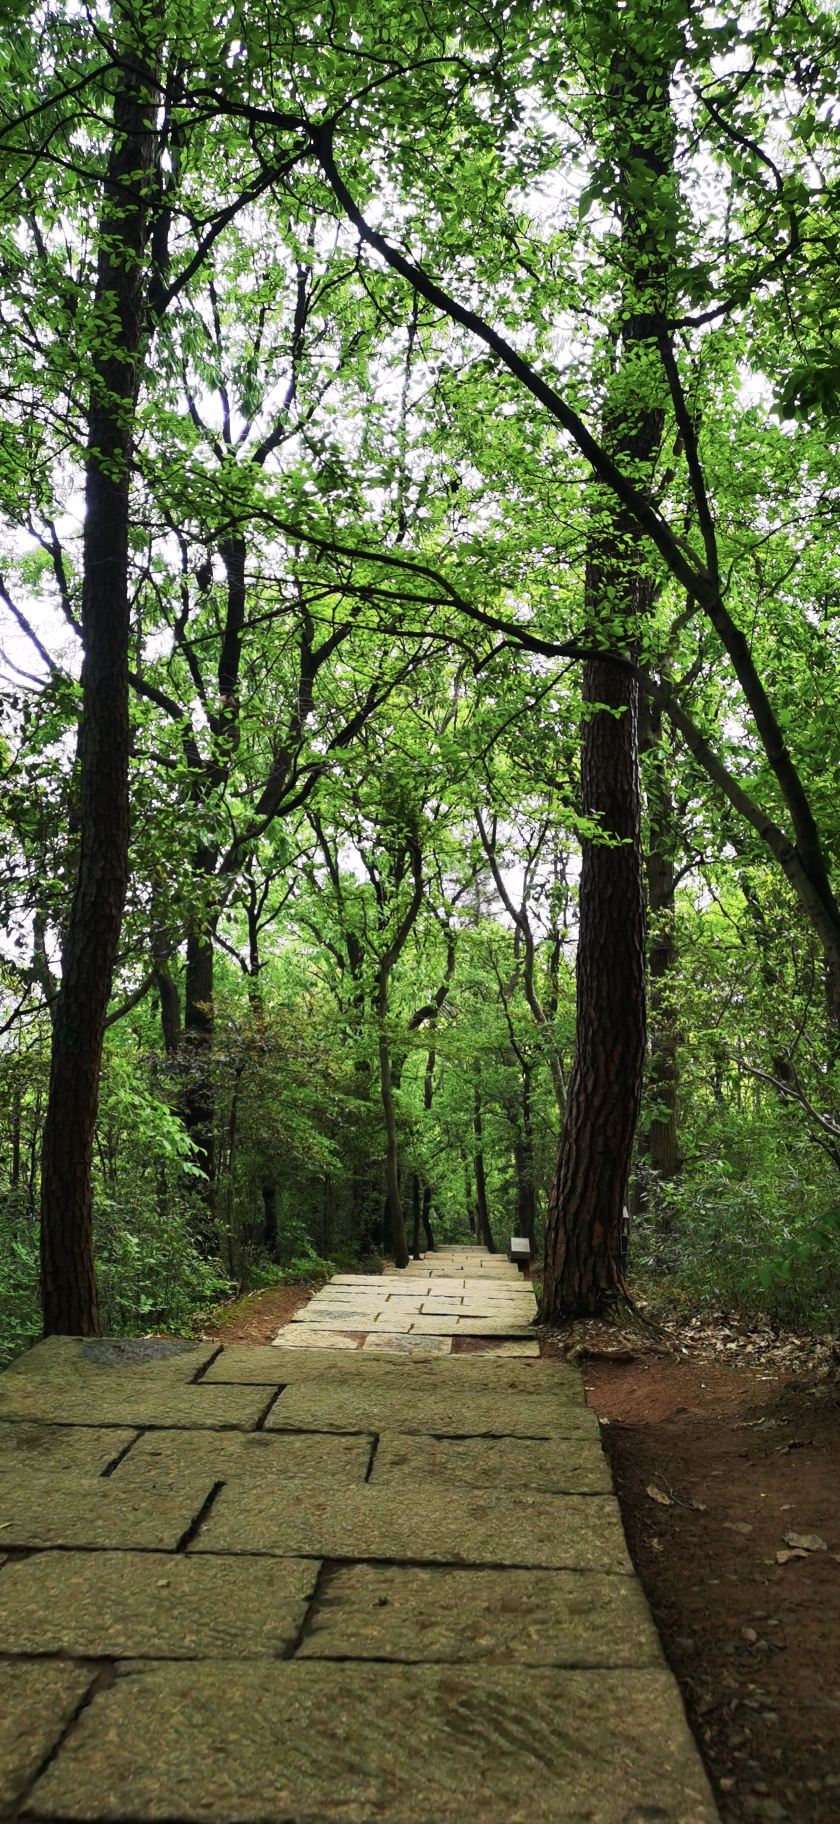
(724, 1443)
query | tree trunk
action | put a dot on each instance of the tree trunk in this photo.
(393, 1199)
(426, 1215)
(269, 1198)
(584, 1265)
(415, 1214)
(525, 1218)
(68, 1281)
(199, 1101)
(484, 1230)
(663, 1074)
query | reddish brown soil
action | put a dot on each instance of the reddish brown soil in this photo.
(256, 1318)
(745, 1455)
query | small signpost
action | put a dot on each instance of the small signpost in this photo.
(519, 1250)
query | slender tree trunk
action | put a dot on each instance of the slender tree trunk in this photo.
(526, 1191)
(393, 1199)
(484, 1229)
(199, 1101)
(68, 1281)
(663, 1074)
(584, 1266)
(468, 1195)
(269, 1198)
(415, 1213)
(426, 1215)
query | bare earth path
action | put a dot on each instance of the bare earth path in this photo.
(283, 1586)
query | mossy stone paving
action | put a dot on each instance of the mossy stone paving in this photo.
(311, 1743)
(407, 1613)
(280, 1586)
(154, 1605)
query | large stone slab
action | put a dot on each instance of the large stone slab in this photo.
(474, 1411)
(246, 1364)
(561, 1618)
(57, 1449)
(383, 1344)
(423, 1524)
(36, 1704)
(163, 1458)
(124, 1382)
(320, 1744)
(119, 1399)
(562, 1467)
(93, 1512)
(147, 1605)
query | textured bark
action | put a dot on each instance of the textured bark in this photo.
(415, 1213)
(68, 1282)
(584, 1245)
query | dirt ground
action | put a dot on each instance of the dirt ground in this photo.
(720, 1449)
(255, 1318)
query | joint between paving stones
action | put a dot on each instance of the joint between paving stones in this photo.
(327, 1570)
(122, 1454)
(103, 1677)
(200, 1372)
(194, 1528)
(260, 1424)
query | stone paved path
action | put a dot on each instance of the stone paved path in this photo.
(421, 1309)
(259, 1586)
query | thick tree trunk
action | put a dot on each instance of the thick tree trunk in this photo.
(68, 1282)
(484, 1230)
(584, 1265)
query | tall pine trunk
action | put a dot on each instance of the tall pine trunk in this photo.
(585, 1236)
(584, 1244)
(68, 1281)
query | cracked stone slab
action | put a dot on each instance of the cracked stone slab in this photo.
(566, 1618)
(562, 1467)
(163, 1458)
(403, 1745)
(36, 1704)
(475, 1410)
(99, 1514)
(56, 1449)
(420, 1524)
(154, 1606)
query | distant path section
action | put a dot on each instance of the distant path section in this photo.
(260, 1585)
(422, 1309)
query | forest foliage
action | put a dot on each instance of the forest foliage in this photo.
(409, 280)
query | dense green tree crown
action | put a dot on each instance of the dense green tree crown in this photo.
(433, 307)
